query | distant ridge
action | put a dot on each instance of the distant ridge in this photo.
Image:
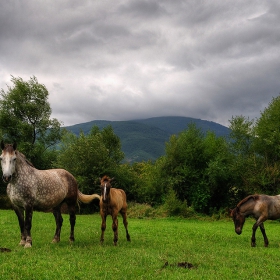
(144, 139)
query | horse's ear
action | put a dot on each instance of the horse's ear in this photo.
(2, 145)
(15, 146)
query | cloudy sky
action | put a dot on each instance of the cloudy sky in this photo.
(130, 59)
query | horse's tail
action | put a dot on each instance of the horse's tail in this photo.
(87, 198)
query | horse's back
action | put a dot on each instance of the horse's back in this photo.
(119, 198)
(46, 189)
(269, 206)
(61, 180)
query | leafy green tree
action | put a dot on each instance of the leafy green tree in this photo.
(184, 162)
(195, 167)
(91, 156)
(25, 119)
(149, 185)
(267, 131)
(255, 145)
(242, 135)
(244, 165)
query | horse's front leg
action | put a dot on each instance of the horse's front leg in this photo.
(253, 238)
(115, 228)
(264, 235)
(59, 221)
(103, 227)
(259, 222)
(20, 214)
(28, 225)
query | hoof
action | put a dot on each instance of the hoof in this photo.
(27, 245)
(22, 242)
(55, 240)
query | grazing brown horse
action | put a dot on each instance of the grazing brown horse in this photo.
(42, 190)
(261, 207)
(112, 202)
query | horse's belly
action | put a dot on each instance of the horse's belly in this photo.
(45, 200)
(15, 196)
(41, 199)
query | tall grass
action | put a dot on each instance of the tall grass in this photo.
(156, 248)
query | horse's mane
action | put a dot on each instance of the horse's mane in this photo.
(252, 196)
(22, 156)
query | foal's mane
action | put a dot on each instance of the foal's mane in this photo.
(252, 196)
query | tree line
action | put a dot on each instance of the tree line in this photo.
(201, 172)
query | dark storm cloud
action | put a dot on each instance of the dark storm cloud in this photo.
(203, 59)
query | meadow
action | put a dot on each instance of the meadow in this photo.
(210, 247)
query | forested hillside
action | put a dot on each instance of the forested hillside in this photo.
(145, 139)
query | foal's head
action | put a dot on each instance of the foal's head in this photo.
(105, 184)
(8, 161)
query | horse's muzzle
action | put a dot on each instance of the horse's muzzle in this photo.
(238, 231)
(7, 179)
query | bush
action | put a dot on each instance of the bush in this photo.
(176, 207)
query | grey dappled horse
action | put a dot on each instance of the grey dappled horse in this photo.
(42, 190)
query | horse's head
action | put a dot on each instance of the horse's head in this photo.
(8, 161)
(105, 184)
(238, 219)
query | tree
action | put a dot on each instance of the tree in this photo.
(25, 118)
(91, 156)
(267, 147)
(242, 135)
(268, 132)
(195, 168)
(184, 162)
(244, 164)
(257, 152)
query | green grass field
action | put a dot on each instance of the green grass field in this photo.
(156, 248)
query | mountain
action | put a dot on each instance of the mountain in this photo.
(145, 139)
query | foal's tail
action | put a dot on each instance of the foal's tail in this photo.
(87, 198)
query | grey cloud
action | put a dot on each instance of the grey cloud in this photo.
(209, 60)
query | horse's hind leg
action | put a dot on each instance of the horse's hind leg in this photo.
(59, 222)
(115, 228)
(72, 218)
(125, 223)
(264, 235)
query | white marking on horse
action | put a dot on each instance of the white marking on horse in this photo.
(8, 165)
(104, 192)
